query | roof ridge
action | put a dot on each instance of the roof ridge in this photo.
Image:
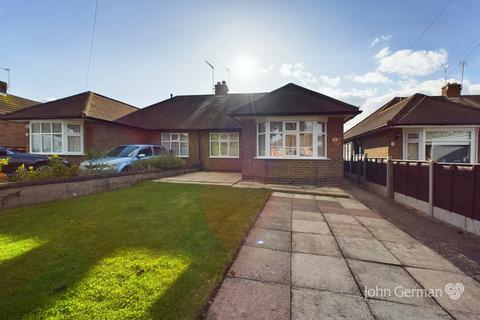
(87, 105)
(399, 118)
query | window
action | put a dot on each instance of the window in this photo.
(224, 145)
(291, 139)
(158, 151)
(177, 143)
(146, 152)
(442, 145)
(58, 137)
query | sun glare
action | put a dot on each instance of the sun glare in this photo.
(245, 66)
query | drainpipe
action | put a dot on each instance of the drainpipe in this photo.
(431, 167)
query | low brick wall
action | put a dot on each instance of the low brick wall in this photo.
(15, 195)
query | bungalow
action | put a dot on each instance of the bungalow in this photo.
(443, 128)
(289, 135)
(13, 135)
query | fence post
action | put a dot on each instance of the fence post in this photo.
(365, 159)
(390, 177)
(350, 165)
(359, 169)
(431, 166)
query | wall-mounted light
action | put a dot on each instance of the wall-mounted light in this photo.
(392, 144)
(335, 139)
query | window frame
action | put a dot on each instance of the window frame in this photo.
(423, 141)
(64, 133)
(228, 140)
(284, 132)
(162, 142)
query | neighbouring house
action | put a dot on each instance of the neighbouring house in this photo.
(442, 128)
(13, 135)
(289, 135)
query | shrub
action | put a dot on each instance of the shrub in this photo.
(164, 162)
(55, 169)
(3, 162)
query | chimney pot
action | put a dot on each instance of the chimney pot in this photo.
(452, 90)
(221, 88)
(3, 87)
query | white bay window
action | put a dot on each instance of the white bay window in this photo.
(56, 137)
(176, 142)
(291, 139)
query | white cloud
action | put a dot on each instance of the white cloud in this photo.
(410, 63)
(267, 69)
(370, 77)
(376, 40)
(474, 88)
(306, 78)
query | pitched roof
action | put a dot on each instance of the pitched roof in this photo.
(292, 99)
(10, 103)
(420, 109)
(83, 105)
(191, 112)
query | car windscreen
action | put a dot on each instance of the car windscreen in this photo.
(122, 151)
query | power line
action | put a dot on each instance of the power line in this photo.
(465, 58)
(431, 24)
(91, 44)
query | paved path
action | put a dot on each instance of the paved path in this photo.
(312, 258)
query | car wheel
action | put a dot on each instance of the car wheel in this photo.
(127, 169)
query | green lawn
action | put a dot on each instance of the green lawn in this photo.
(152, 251)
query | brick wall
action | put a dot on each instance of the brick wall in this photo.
(100, 136)
(193, 159)
(317, 172)
(12, 135)
(378, 145)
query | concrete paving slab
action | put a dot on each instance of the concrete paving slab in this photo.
(305, 205)
(347, 230)
(375, 223)
(339, 210)
(273, 222)
(315, 244)
(275, 212)
(312, 304)
(363, 213)
(333, 218)
(303, 196)
(419, 256)
(307, 215)
(459, 315)
(245, 299)
(384, 310)
(317, 227)
(269, 239)
(249, 184)
(351, 203)
(450, 284)
(282, 194)
(262, 264)
(202, 177)
(322, 272)
(325, 198)
(390, 280)
(329, 204)
(393, 235)
(366, 249)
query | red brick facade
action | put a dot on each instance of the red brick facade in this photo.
(294, 171)
(379, 144)
(12, 135)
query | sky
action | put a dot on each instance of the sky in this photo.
(361, 52)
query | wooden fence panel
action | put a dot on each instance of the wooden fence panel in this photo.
(462, 190)
(412, 180)
(476, 193)
(382, 173)
(442, 186)
(423, 182)
(400, 177)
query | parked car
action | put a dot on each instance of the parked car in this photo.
(15, 159)
(121, 158)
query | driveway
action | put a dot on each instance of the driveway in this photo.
(318, 257)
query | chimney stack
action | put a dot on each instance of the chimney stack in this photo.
(221, 88)
(3, 87)
(452, 90)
